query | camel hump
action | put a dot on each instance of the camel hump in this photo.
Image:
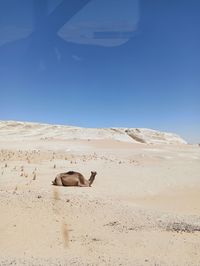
(71, 173)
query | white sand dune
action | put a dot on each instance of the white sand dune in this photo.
(138, 135)
(143, 208)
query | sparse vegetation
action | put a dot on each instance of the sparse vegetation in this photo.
(34, 176)
(181, 227)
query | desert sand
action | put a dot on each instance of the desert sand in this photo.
(142, 209)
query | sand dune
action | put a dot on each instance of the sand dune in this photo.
(20, 130)
(143, 208)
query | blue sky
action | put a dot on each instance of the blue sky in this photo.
(102, 63)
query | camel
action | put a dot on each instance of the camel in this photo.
(72, 178)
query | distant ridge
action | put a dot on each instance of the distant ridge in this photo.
(19, 130)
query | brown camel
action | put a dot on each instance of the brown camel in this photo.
(72, 178)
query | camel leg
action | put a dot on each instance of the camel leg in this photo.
(58, 181)
(82, 185)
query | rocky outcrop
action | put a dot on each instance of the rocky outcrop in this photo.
(151, 136)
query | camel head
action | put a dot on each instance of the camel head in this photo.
(92, 177)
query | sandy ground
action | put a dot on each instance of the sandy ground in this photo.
(143, 207)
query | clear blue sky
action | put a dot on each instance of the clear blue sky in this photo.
(102, 63)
